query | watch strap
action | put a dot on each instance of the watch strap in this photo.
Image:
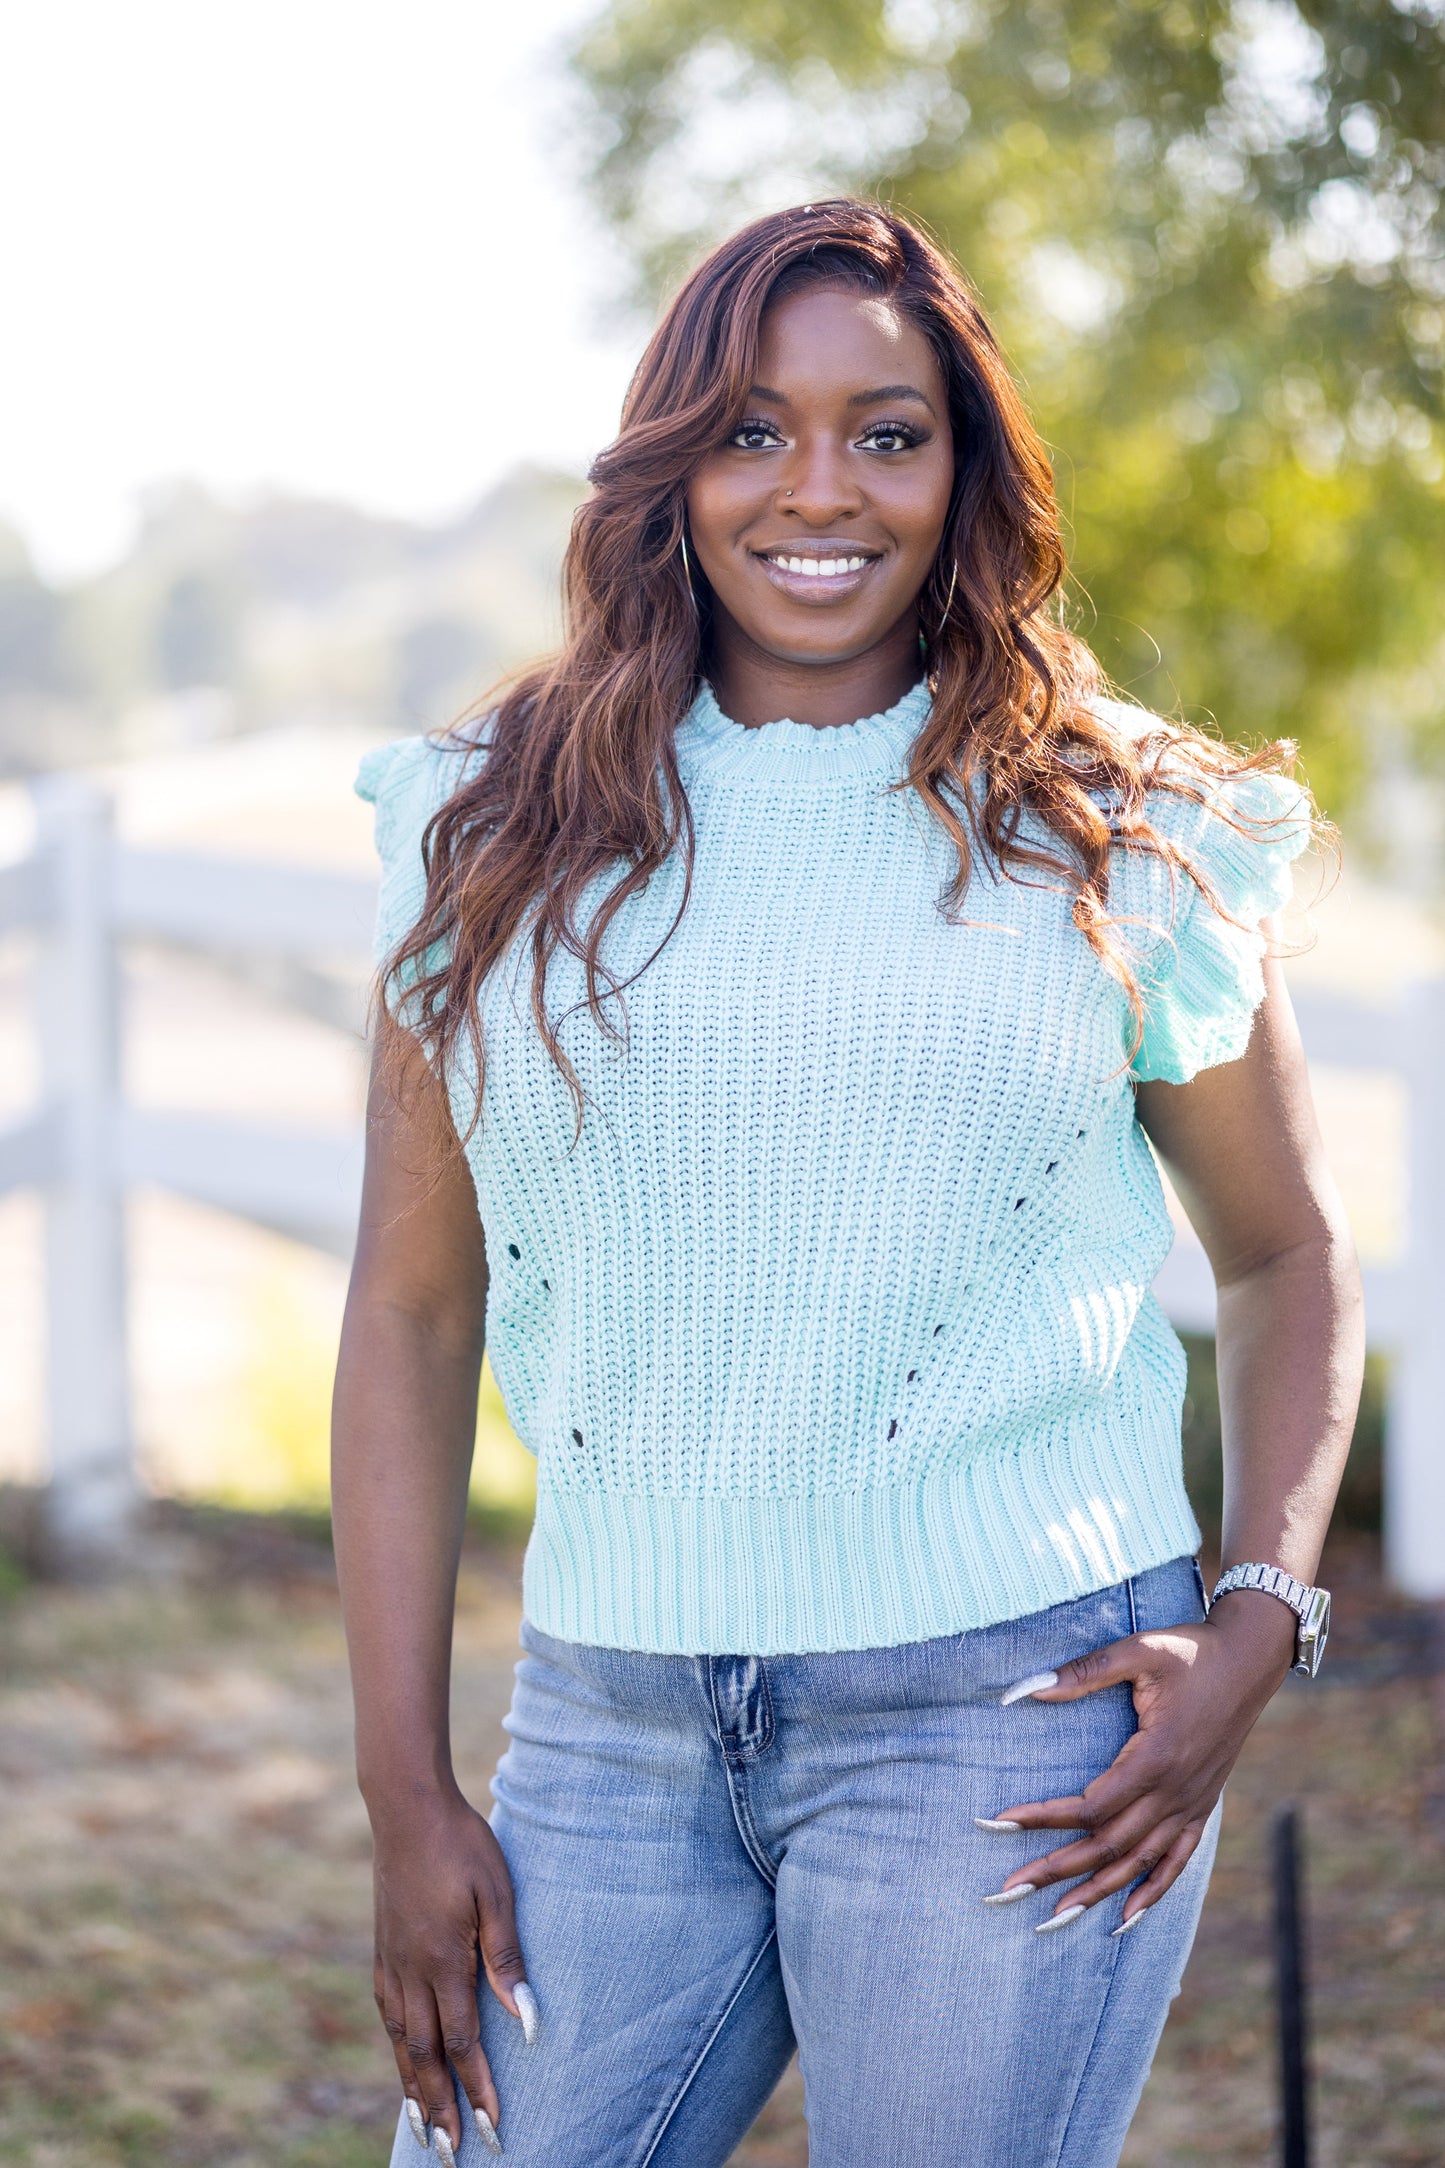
(1271, 1580)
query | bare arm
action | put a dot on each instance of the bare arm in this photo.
(404, 1422)
(1243, 1145)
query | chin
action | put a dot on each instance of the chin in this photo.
(815, 646)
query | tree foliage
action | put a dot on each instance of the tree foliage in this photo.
(1210, 237)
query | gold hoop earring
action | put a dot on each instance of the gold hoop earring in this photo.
(948, 604)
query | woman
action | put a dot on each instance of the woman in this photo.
(780, 988)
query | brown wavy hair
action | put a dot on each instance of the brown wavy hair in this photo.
(581, 774)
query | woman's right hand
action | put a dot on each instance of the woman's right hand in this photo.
(442, 1893)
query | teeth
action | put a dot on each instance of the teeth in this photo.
(820, 568)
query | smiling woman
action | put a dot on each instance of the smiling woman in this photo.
(808, 1212)
(830, 497)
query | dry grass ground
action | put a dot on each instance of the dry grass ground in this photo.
(184, 1884)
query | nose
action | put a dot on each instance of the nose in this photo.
(820, 485)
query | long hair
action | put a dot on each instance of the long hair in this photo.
(581, 774)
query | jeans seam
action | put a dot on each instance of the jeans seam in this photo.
(717, 1722)
(706, 2049)
(746, 1827)
(1115, 1953)
(1116, 1956)
(768, 1728)
(742, 1813)
(769, 1723)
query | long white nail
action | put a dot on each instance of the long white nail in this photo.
(1061, 1919)
(443, 2144)
(1003, 1829)
(527, 2011)
(1132, 1921)
(417, 2121)
(1012, 1896)
(487, 2130)
(1035, 1685)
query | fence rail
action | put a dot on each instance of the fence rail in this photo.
(81, 894)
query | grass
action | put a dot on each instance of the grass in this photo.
(184, 1945)
(269, 1448)
(184, 1917)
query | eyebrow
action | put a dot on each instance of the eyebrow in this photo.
(875, 397)
(892, 391)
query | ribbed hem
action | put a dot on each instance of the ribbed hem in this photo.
(999, 1537)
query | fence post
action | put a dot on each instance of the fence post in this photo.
(90, 1500)
(1289, 1973)
(1415, 1419)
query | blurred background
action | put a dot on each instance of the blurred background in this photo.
(315, 315)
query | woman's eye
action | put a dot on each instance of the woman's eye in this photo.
(755, 436)
(890, 437)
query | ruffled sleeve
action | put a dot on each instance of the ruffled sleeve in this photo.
(1204, 978)
(407, 782)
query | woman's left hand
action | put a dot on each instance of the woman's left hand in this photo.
(1198, 1691)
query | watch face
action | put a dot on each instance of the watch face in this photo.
(1314, 1631)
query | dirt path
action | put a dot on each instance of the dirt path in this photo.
(184, 1900)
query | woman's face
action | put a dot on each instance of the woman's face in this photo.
(818, 522)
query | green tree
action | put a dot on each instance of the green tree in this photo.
(1210, 237)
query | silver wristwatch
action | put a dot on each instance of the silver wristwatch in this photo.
(1311, 1607)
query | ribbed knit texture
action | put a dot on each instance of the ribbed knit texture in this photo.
(834, 1330)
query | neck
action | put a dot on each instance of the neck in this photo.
(754, 687)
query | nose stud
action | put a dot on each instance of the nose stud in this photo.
(787, 493)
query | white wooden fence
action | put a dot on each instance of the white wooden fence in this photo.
(81, 894)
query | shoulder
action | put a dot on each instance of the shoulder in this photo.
(407, 782)
(1240, 829)
(1190, 920)
(1239, 834)
(410, 779)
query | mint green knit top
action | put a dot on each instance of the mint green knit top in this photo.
(834, 1330)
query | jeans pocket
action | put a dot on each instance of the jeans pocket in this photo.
(993, 1658)
(1168, 1595)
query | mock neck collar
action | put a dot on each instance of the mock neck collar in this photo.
(710, 743)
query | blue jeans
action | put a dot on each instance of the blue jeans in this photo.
(718, 1857)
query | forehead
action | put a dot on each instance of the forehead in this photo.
(829, 340)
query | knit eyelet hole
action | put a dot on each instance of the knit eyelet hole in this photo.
(548, 1285)
(1051, 1166)
(937, 1330)
(1082, 1133)
(576, 1437)
(512, 1250)
(911, 1376)
(893, 1426)
(1018, 1201)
